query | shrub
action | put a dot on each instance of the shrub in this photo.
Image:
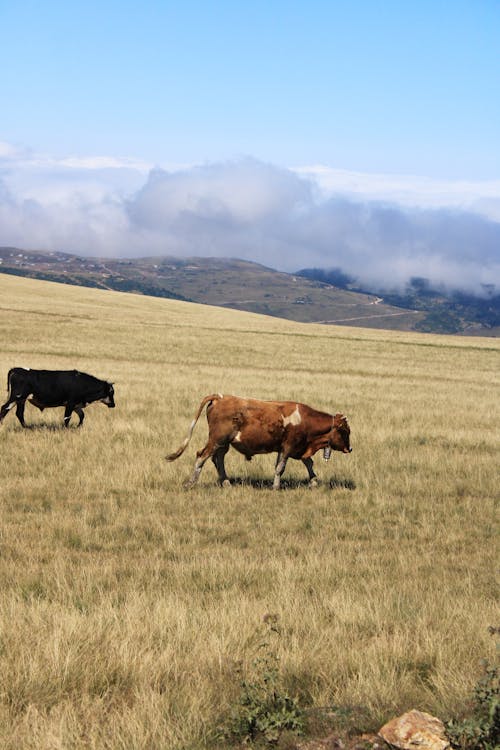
(481, 731)
(264, 709)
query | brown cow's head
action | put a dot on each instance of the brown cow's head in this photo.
(338, 439)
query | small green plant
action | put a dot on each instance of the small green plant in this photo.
(481, 731)
(265, 709)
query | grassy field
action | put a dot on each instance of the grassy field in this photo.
(130, 608)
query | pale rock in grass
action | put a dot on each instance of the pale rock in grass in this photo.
(415, 730)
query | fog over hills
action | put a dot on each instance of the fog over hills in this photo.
(383, 233)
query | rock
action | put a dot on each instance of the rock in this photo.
(415, 730)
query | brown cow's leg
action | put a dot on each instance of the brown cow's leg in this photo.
(280, 468)
(218, 459)
(202, 457)
(313, 479)
(196, 473)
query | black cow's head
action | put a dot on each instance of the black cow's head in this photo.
(109, 395)
(338, 439)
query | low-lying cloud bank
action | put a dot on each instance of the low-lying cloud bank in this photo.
(285, 219)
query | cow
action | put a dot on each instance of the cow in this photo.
(47, 388)
(288, 428)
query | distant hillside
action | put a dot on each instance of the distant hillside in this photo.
(308, 296)
(225, 282)
(444, 312)
(79, 271)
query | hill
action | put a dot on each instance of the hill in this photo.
(310, 296)
(444, 311)
(132, 610)
(237, 284)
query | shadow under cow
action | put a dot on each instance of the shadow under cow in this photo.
(46, 428)
(292, 484)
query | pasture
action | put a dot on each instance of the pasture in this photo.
(130, 608)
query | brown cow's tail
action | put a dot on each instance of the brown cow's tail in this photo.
(207, 400)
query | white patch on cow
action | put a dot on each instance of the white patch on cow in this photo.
(237, 438)
(294, 417)
(11, 406)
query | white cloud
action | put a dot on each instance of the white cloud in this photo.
(286, 219)
(481, 196)
(103, 162)
(243, 192)
(8, 151)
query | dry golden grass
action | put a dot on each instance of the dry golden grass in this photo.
(127, 605)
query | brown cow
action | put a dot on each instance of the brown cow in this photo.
(290, 429)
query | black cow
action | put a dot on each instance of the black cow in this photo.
(46, 388)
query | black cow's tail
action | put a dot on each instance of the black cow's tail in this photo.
(207, 400)
(9, 375)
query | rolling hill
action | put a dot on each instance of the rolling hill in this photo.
(237, 284)
(309, 296)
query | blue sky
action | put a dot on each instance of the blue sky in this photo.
(406, 87)
(372, 101)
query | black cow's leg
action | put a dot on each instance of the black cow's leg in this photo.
(20, 411)
(67, 414)
(218, 459)
(313, 479)
(280, 468)
(81, 414)
(7, 407)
